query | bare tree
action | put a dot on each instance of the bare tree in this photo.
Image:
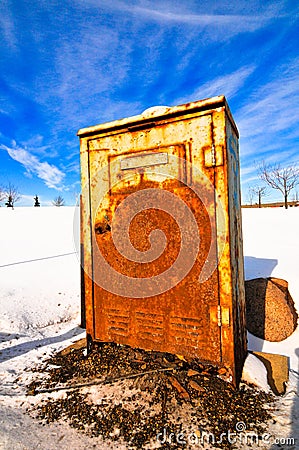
(58, 201)
(2, 194)
(12, 195)
(76, 195)
(260, 191)
(296, 197)
(283, 179)
(250, 195)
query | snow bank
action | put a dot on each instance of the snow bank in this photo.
(255, 372)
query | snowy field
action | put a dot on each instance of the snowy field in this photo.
(271, 248)
(40, 311)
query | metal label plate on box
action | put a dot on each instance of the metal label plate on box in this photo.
(144, 160)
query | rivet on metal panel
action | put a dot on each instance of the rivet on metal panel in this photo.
(214, 156)
(210, 158)
(220, 315)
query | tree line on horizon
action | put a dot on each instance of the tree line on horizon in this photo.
(11, 195)
(283, 179)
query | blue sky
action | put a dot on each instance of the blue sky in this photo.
(70, 64)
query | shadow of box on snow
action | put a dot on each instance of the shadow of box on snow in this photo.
(270, 309)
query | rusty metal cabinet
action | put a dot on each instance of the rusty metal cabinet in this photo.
(161, 233)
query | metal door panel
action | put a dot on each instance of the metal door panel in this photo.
(179, 320)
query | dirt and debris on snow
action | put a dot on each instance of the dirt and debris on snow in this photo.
(138, 397)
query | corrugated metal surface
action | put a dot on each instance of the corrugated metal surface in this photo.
(161, 233)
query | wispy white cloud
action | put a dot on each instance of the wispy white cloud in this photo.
(250, 166)
(98, 60)
(73, 166)
(238, 22)
(72, 86)
(227, 85)
(271, 113)
(188, 14)
(7, 28)
(268, 121)
(50, 174)
(35, 145)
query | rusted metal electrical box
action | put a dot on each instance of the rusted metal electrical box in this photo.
(161, 233)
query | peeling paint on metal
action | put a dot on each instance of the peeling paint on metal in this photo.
(203, 320)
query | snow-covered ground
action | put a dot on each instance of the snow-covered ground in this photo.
(40, 310)
(271, 248)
